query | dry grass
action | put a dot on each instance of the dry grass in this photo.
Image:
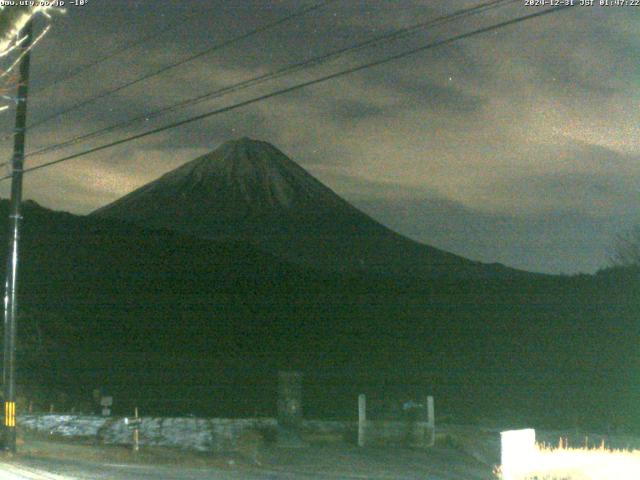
(564, 463)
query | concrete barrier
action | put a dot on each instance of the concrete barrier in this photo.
(200, 434)
(212, 434)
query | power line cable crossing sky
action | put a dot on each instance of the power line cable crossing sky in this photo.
(292, 89)
(116, 52)
(175, 65)
(289, 69)
(498, 133)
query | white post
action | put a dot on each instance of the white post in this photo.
(362, 419)
(431, 421)
(136, 433)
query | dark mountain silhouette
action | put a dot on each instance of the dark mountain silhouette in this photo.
(175, 324)
(250, 191)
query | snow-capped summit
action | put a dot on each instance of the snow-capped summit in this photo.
(249, 190)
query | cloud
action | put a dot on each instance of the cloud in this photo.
(83, 185)
(533, 125)
(563, 222)
(553, 242)
(571, 177)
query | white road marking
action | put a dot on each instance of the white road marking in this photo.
(125, 465)
(10, 471)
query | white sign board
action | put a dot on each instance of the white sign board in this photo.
(518, 452)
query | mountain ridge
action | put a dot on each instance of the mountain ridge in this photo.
(175, 324)
(249, 190)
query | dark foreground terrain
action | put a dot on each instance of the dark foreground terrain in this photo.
(43, 458)
(461, 453)
(178, 325)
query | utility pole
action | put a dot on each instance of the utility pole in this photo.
(11, 285)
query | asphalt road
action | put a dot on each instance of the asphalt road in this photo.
(69, 469)
(66, 470)
(50, 459)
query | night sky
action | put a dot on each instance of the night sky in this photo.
(519, 146)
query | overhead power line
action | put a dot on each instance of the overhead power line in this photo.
(318, 60)
(174, 65)
(128, 46)
(300, 86)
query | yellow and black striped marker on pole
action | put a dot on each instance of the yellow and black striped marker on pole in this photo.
(9, 414)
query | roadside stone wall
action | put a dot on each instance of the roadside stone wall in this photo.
(201, 434)
(213, 434)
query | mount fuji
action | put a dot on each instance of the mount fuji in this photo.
(248, 190)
